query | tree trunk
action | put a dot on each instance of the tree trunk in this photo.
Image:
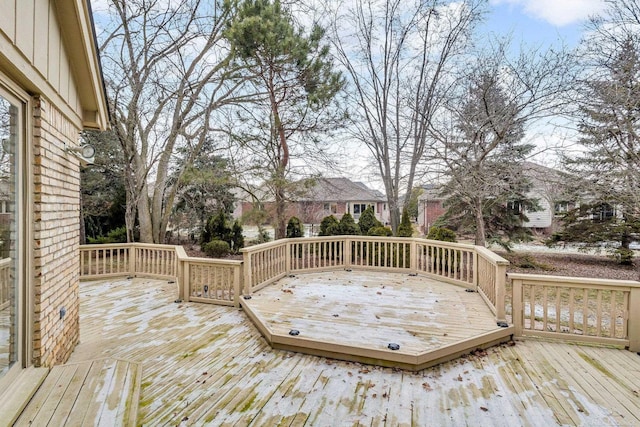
(480, 231)
(280, 226)
(144, 217)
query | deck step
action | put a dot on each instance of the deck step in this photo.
(17, 396)
(102, 392)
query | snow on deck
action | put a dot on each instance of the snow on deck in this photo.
(207, 365)
(370, 310)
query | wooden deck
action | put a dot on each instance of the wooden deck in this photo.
(208, 365)
(355, 315)
(100, 392)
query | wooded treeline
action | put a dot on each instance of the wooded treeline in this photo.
(209, 98)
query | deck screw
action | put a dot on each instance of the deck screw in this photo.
(247, 297)
(294, 332)
(393, 346)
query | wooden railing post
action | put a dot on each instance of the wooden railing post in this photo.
(413, 260)
(132, 259)
(501, 279)
(246, 265)
(347, 252)
(237, 285)
(517, 309)
(634, 320)
(288, 247)
(475, 269)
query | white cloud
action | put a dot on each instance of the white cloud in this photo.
(557, 12)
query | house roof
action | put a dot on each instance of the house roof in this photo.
(341, 190)
(431, 192)
(76, 25)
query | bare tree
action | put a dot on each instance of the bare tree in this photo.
(480, 139)
(399, 57)
(167, 73)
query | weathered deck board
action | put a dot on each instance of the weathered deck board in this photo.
(205, 364)
(369, 310)
(99, 392)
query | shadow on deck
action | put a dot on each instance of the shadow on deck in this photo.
(387, 319)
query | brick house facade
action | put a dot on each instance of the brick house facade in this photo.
(50, 90)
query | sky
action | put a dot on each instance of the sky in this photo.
(541, 21)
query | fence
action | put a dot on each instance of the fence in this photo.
(199, 279)
(577, 309)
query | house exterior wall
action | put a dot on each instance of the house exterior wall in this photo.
(428, 212)
(47, 52)
(542, 218)
(56, 216)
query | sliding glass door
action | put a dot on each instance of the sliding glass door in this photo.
(11, 293)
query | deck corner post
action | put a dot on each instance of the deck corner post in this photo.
(517, 313)
(501, 280)
(475, 269)
(634, 320)
(237, 284)
(183, 268)
(246, 266)
(132, 259)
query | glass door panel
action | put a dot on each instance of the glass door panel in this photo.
(9, 288)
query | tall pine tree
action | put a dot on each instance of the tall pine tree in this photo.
(609, 169)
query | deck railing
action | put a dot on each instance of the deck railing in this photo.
(569, 308)
(5, 283)
(491, 280)
(199, 279)
(577, 309)
(470, 266)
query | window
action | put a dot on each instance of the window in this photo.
(514, 207)
(603, 212)
(561, 207)
(359, 208)
(331, 208)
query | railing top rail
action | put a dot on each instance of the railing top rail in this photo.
(129, 245)
(196, 260)
(491, 256)
(263, 246)
(181, 253)
(275, 243)
(154, 246)
(446, 244)
(573, 281)
(106, 246)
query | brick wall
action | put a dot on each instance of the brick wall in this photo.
(56, 213)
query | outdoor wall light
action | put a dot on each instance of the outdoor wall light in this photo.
(85, 152)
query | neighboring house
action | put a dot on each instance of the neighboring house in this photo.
(548, 187)
(50, 89)
(327, 196)
(337, 196)
(430, 207)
